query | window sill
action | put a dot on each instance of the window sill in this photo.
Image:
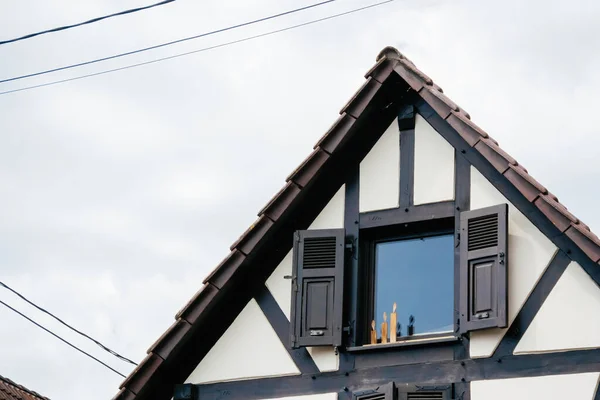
(404, 343)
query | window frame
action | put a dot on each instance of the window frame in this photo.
(369, 238)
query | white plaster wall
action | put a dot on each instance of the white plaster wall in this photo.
(249, 348)
(324, 396)
(434, 165)
(551, 387)
(281, 288)
(569, 318)
(529, 252)
(332, 216)
(325, 358)
(379, 181)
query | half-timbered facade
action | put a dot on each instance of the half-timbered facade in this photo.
(408, 257)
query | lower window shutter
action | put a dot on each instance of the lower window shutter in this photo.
(317, 288)
(484, 268)
(384, 392)
(419, 392)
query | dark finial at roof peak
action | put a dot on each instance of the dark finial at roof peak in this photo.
(391, 53)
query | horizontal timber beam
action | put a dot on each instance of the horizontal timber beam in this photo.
(510, 366)
(402, 215)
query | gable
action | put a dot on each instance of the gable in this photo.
(342, 153)
(573, 305)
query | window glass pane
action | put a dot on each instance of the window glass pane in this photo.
(417, 275)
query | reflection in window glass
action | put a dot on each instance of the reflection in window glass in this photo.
(417, 275)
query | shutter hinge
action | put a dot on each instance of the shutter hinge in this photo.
(296, 236)
(294, 282)
(457, 239)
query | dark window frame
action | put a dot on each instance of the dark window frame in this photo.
(368, 239)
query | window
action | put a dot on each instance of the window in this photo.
(411, 266)
(416, 274)
(450, 280)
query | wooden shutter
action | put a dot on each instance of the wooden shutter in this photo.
(484, 268)
(419, 392)
(317, 288)
(385, 392)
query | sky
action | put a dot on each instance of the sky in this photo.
(121, 192)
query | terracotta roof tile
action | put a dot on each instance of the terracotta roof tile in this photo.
(585, 240)
(142, 373)
(336, 134)
(309, 168)
(281, 201)
(124, 394)
(219, 276)
(167, 342)
(382, 69)
(253, 235)
(202, 300)
(494, 154)
(555, 212)
(10, 390)
(529, 187)
(361, 99)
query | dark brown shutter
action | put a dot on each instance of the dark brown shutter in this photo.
(419, 392)
(317, 288)
(385, 392)
(484, 268)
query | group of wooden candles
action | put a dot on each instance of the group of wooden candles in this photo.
(384, 328)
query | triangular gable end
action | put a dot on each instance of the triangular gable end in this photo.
(393, 82)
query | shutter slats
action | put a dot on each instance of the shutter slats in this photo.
(425, 396)
(319, 252)
(483, 232)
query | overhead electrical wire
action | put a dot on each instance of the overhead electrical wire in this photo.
(197, 51)
(61, 339)
(166, 43)
(91, 21)
(112, 352)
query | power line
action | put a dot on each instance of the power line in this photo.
(166, 43)
(91, 21)
(196, 51)
(114, 353)
(61, 339)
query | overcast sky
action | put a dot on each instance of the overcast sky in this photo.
(119, 193)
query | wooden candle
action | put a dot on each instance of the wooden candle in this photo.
(384, 329)
(393, 323)
(373, 333)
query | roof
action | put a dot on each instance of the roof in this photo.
(174, 355)
(9, 390)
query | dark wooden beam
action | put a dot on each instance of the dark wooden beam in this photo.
(402, 215)
(534, 302)
(406, 123)
(281, 326)
(435, 373)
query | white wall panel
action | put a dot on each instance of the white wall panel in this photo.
(529, 252)
(569, 318)
(249, 348)
(332, 216)
(325, 358)
(281, 288)
(379, 185)
(551, 387)
(434, 165)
